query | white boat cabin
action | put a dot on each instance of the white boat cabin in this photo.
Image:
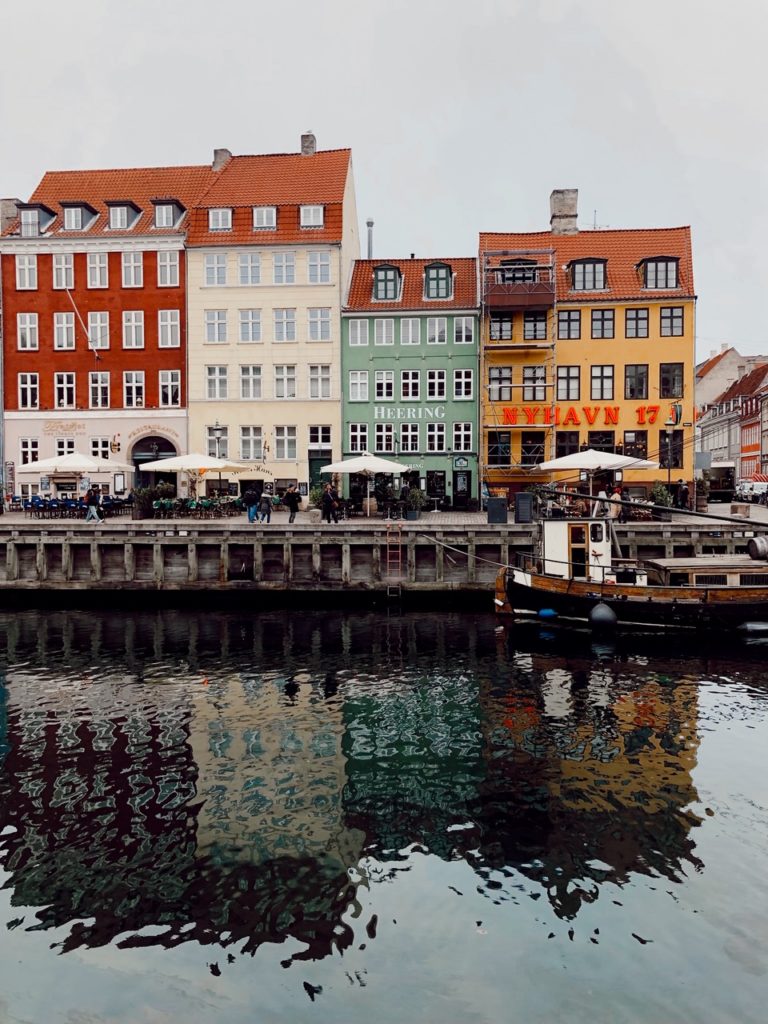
(581, 549)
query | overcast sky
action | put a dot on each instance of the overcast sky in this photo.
(462, 115)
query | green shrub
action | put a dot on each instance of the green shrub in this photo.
(316, 497)
(660, 495)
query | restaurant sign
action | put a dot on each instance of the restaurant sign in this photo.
(591, 415)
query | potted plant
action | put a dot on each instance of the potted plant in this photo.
(662, 502)
(414, 503)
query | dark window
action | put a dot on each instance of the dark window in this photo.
(588, 275)
(636, 324)
(568, 383)
(437, 281)
(671, 449)
(671, 321)
(532, 447)
(601, 383)
(660, 273)
(534, 378)
(501, 328)
(602, 440)
(636, 443)
(671, 380)
(499, 447)
(500, 381)
(535, 326)
(517, 272)
(602, 323)
(636, 380)
(435, 483)
(386, 283)
(569, 323)
(566, 442)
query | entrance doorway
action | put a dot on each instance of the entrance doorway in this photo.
(462, 488)
(148, 449)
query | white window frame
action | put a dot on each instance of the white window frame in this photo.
(437, 326)
(64, 332)
(133, 389)
(26, 272)
(436, 384)
(27, 333)
(167, 270)
(63, 271)
(250, 381)
(312, 216)
(64, 390)
(165, 215)
(463, 384)
(249, 268)
(358, 437)
(100, 447)
(98, 330)
(250, 326)
(217, 382)
(319, 268)
(409, 437)
(220, 219)
(464, 330)
(133, 328)
(384, 331)
(73, 218)
(409, 335)
(264, 218)
(118, 218)
(284, 268)
(98, 270)
(28, 386)
(64, 446)
(384, 385)
(30, 223)
(436, 437)
(168, 328)
(320, 380)
(320, 435)
(410, 385)
(285, 381)
(215, 264)
(98, 389)
(462, 436)
(358, 333)
(217, 447)
(358, 386)
(168, 387)
(319, 323)
(215, 326)
(284, 321)
(29, 450)
(285, 443)
(251, 443)
(384, 438)
(133, 269)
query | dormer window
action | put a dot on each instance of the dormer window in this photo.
(588, 275)
(517, 272)
(220, 219)
(386, 283)
(122, 216)
(165, 215)
(660, 272)
(30, 223)
(264, 218)
(73, 218)
(312, 216)
(438, 281)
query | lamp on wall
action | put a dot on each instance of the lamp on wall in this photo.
(218, 431)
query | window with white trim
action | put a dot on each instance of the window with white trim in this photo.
(319, 324)
(63, 331)
(500, 383)
(464, 330)
(215, 325)
(534, 381)
(217, 440)
(249, 268)
(384, 332)
(409, 437)
(410, 331)
(436, 383)
(437, 330)
(285, 381)
(118, 217)
(437, 281)
(98, 390)
(64, 446)
(320, 380)
(29, 390)
(264, 218)
(285, 443)
(319, 437)
(215, 269)
(167, 269)
(535, 325)
(601, 388)
(358, 437)
(133, 389)
(568, 383)
(319, 268)
(463, 384)
(133, 328)
(410, 384)
(216, 382)
(26, 332)
(358, 385)
(435, 437)
(250, 381)
(30, 223)
(285, 324)
(100, 447)
(168, 328)
(165, 215)
(358, 333)
(73, 218)
(220, 219)
(169, 385)
(462, 437)
(63, 271)
(133, 269)
(384, 384)
(660, 273)
(64, 390)
(29, 450)
(312, 216)
(385, 437)
(98, 330)
(251, 443)
(26, 273)
(98, 272)
(250, 325)
(284, 268)
(588, 275)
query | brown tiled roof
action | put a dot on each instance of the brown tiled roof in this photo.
(623, 248)
(412, 295)
(745, 386)
(709, 364)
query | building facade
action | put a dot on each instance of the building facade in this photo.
(731, 427)
(270, 250)
(587, 342)
(410, 371)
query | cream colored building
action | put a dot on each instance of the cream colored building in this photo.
(270, 252)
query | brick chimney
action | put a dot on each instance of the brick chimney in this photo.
(563, 203)
(221, 158)
(308, 144)
(8, 212)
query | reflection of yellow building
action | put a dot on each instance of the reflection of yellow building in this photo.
(588, 342)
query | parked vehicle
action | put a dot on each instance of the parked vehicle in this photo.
(758, 492)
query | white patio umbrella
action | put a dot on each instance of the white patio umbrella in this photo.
(74, 462)
(593, 461)
(194, 462)
(368, 465)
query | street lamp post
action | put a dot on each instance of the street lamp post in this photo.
(669, 458)
(218, 431)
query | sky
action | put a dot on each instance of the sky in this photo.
(462, 115)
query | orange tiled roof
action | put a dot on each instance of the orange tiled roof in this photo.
(745, 386)
(412, 295)
(623, 248)
(709, 364)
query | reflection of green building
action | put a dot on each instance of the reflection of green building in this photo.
(410, 371)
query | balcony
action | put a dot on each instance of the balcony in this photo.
(537, 291)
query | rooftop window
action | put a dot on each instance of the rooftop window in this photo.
(438, 281)
(220, 219)
(386, 283)
(660, 272)
(588, 275)
(312, 216)
(264, 218)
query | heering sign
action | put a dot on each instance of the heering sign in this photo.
(409, 412)
(571, 415)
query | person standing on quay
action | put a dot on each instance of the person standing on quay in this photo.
(265, 507)
(251, 502)
(292, 500)
(330, 505)
(683, 494)
(92, 504)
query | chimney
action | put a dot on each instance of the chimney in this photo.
(562, 207)
(8, 212)
(724, 346)
(369, 225)
(308, 144)
(221, 158)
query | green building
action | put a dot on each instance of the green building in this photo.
(410, 360)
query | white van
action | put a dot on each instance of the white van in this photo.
(743, 490)
(758, 492)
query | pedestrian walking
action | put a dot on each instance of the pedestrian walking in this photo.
(265, 507)
(251, 502)
(292, 500)
(92, 506)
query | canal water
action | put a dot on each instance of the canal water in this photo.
(275, 816)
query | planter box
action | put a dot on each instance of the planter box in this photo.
(413, 513)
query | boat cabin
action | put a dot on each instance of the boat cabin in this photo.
(581, 549)
(708, 571)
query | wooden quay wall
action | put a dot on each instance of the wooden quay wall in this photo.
(65, 555)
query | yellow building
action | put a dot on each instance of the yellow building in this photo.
(588, 342)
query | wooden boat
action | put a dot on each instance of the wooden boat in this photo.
(573, 574)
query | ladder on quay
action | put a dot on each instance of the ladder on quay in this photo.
(393, 560)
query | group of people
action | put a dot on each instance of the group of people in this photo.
(260, 505)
